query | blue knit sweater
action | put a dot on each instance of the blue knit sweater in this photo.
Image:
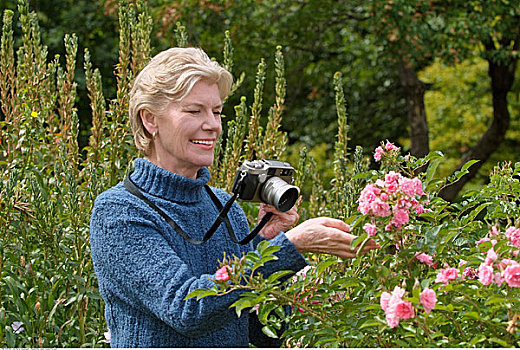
(145, 269)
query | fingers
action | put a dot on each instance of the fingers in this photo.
(287, 218)
(334, 223)
(327, 236)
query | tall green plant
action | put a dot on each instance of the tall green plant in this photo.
(48, 287)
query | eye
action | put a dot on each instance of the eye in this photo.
(194, 111)
(217, 113)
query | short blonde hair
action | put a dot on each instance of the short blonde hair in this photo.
(167, 78)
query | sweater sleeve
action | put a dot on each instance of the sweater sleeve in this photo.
(135, 263)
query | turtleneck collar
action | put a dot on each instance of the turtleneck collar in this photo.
(162, 183)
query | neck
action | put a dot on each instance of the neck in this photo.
(190, 173)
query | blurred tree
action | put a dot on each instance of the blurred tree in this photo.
(459, 109)
(413, 32)
(318, 38)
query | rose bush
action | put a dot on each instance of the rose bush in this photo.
(447, 275)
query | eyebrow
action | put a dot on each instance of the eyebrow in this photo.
(197, 104)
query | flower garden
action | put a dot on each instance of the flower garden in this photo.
(446, 275)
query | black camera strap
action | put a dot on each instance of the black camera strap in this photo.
(222, 216)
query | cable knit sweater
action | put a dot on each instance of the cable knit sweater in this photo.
(145, 269)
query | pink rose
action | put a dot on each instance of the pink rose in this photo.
(404, 310)
(390, 303)
(485, 274)
(385, 299)
(391, 187)
(390, 146)
(222, 274)
(418, 186)
(424, 258)
(512, 275)
(392, 176)
(383, 196)
(380, 208)
(498, 278)
(370, 229)
(407, 186)
(378, 154)
(451, 273)
(485, 239)
(513, 234)
(392, 320)
(493, 231)
(446, 275)
(400, 217)
(428, 299)
(419, 209)
(404, 204)
(491, 256)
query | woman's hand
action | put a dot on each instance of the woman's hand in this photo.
(326, 235)
(278, 222)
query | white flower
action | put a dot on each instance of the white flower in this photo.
(107, 336)
(17, 327)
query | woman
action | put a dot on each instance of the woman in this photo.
(144, 268)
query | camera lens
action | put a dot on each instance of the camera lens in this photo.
(279, 193)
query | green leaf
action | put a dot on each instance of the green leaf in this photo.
(469, 163)
(371, 323)
(435, 158)
(495, 299)
(320, 268)
(500, 342)
(201, 293)
(269, 331)
(278, 275)
(477, 339)
(244, 303)
(471, 315)
(264, 310)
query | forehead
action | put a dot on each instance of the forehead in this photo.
(203, 92)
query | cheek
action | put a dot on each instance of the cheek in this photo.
(219, 131)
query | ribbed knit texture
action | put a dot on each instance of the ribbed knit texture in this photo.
(145, 269)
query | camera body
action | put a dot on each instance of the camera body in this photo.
(268, 181)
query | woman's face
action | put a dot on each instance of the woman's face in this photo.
(188, 132)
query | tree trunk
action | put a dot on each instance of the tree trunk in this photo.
(415, 89)
(502, 78)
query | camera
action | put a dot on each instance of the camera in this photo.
(268, 181)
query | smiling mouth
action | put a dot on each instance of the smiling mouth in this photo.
(203, 142)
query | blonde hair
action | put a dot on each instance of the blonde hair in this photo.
(169, 77)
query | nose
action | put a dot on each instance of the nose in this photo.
(212, 122)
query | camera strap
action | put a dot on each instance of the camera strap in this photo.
(222, 216)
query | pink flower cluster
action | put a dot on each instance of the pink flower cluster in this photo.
(381, 150)
(394, 196)
(499, 270)
(397, 309)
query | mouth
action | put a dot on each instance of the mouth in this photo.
(204, 142)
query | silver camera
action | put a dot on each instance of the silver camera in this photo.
(268, 181)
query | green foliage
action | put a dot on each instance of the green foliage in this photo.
(338, 303)
(459, 110)
(48, 185)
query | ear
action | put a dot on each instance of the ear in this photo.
(149, 121)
